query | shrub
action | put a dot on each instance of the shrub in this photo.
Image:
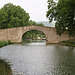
(9, 42)
(5, 68)
(69, 43)
(3, 43)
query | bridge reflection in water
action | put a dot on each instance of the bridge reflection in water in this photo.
(36, 42)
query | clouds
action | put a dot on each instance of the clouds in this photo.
(36, 8)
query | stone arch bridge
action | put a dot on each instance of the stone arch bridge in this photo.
(15, 34)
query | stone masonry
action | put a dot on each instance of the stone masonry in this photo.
(15, 34)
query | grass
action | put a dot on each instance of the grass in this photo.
(5, 68)
(3, 43)
(68, 43)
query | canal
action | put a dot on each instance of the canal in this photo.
(39, 59)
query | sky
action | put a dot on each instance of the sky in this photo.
(36, 8)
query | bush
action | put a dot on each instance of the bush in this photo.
(5, 68)
(9, 42)
(69, 43)
(3, 43)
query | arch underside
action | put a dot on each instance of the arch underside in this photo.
(34, 30)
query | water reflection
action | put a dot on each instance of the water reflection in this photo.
(40, 59)
(36, 42)
(66, 58)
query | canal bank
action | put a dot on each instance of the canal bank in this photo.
(70, 43)
(4, 66)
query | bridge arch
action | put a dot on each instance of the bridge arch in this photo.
(33, 32)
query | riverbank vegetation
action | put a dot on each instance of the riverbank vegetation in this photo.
(68, 43)
(5, 68)
(3, 43)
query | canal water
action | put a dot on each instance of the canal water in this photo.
(39, 59)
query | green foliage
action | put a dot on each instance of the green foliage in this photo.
(27, 41)
(3, 43)
(51, 10)
(9, 42)
(68, 42)
(5, 68)
(34, 23)
(13, 16)
(63, 12)
(32, 35)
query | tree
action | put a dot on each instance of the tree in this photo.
(34, 23)
(63, 12)
(13, 16)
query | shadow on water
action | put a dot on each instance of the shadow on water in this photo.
(66, 59)
(36, 42)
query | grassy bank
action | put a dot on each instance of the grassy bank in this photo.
(68, 43)
(4, 43)
(5, 68)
